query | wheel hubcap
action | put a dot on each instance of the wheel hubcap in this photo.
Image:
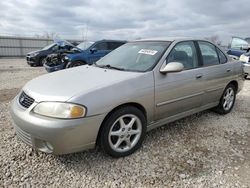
(228, 99)
(125, 133)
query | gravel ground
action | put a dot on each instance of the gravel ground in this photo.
(202, 150)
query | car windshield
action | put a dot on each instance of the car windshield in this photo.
(85, 45)
(49, 46)
(134, 56)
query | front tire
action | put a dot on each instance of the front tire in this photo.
(42, 60)
(123, 132)
(227, 100)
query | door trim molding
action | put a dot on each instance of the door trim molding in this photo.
(179, 99)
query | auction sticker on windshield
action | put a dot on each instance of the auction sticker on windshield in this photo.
(147, 52)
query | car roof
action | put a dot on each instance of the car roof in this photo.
(171, 39)
(107, 40)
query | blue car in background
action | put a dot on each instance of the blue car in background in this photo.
(237, 47)
(85, 53)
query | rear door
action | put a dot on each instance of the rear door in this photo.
(216, 71)
(179, 92)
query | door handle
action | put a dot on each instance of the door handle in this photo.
(229, 70)
(199, 76)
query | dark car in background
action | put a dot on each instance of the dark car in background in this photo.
(37, 58)
(85, 53)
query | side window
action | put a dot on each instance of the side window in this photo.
(185, 53)
(55, 48)
(114, 45)
(101, 46)
(208, 53)
(222, 57)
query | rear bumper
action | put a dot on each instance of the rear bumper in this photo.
(52, 135)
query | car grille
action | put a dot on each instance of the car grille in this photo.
(22, 135)
(25, 100)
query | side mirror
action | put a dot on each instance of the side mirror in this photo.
(93, 50)
(172, 67)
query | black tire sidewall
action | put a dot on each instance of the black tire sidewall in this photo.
(75, 62)
(41, 61)
(104, 136)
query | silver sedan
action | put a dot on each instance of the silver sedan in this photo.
(138, 87)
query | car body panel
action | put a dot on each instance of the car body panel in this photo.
(49, 88)
(66, 136)
(177, 92)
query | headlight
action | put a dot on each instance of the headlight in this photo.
(66, 57)
(60, 110)
(34, 54)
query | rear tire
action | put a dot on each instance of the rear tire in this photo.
(76, 64)
(123, 132)
(227, 100)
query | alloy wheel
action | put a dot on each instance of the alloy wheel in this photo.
(228, 98)
(125, 133)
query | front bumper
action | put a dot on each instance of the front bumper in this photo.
(52, 135)
(32, 60)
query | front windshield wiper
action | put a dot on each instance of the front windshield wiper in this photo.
(109, 67)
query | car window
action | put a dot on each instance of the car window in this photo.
(101, 46)
(185, 53)
(114, 45)
(222, 57)
(238, 43)
(208, 53)
(55, 48)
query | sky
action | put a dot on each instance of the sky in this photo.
(116, 19)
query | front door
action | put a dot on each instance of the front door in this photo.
(180, 91)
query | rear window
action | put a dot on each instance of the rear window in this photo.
(222, 57)
(209, 54)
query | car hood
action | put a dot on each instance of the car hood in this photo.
(65, 84)
(37, 51)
